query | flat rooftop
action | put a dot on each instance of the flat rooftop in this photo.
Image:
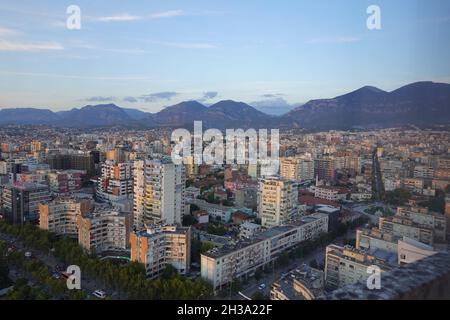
(269, 233)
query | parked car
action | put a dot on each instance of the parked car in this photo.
(262, 286)
(99, 294)
(56, 275)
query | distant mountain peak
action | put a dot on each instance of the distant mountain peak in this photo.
(364, 92)
(422, 103)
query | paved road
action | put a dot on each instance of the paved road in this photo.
(376, 172)
(268, 279)
(88, 285)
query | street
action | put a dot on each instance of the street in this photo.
(88, 285)
(268, 279)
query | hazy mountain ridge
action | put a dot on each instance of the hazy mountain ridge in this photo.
(421, 103)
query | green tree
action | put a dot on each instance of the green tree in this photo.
(398, 197)
(258, 296)
(169, 272)
(218, 230)
(206, 246)
(4, 272)
(189, 220)
(193, 207)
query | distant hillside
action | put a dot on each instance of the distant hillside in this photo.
(27, 116)
(421, 103)
(99, 115)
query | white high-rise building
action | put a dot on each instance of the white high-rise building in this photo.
(159, 192)
(277, 201)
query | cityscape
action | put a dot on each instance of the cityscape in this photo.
(262, 191)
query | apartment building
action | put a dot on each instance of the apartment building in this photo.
(348, 265)
(303, 283)
(299, 169)
(330, 193)
(159, 192)
(20, 202)
(375, 239)
(413, 184)
(220, 266)
(422, 216)
(105, 229)
(405, 227)
(116, 181)
(277, 201)
(216, 212)
(65, 181)
(410, 251)
(162, 245)
(60, 216)
(423, 172)
(324, 168)
(82, 161)
(447, 215)
(246, 198)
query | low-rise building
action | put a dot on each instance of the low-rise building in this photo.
(410, 251)
(202, 216)
(248, 229)
(423, 216)
(405, 227)
(303, 283)
(348, 265)
(220, 266)
(330, 193)
(376, 239)
(216, 212)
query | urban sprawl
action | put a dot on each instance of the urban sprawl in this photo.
(341, 204)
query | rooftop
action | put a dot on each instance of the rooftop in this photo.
(272, 232)
(308, 278)
(426, 279)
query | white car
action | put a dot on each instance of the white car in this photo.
(28, 254)
(99, 294)
(262, 286)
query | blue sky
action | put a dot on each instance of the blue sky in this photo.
(149, 54)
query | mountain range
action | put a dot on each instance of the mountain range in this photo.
(420, 103)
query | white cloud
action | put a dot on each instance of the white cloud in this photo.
(6, 45)
(337, 40)
(6, 32)
(58, 24)
(118, 18)
(166, 14)
(128, 17)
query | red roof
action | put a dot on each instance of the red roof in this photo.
(310, 200)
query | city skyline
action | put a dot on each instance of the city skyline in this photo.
(148, 56)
